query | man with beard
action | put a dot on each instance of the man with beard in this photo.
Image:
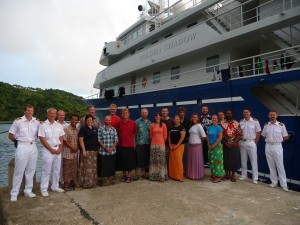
(232, 134)
(169, 123)
(186, 124)
(205, 120)
(275, 133)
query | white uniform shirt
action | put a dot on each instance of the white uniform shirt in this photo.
(24, 130)
(64, 124)
(196, 133)
(274, 133)
(250, 128)
(52, 132)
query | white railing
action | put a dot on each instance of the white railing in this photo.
(239, 69)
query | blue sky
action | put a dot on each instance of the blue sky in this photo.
(57, 43)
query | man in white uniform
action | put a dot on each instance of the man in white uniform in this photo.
(51, 136)
(248, 144)
(24, 131)
(275, 133)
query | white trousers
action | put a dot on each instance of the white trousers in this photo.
(249, 148)
(51, 162)
(274, 154)
(25, 161)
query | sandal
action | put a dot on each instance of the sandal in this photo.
(233, 179)
(123, 179)
(216, 181)
(128, 180)
(225, 178)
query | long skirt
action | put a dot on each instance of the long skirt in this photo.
(195, 163)
(232, 161)
(142, 156)
(70, 167)
(88, 170)
(157, 167)
(106, 165)
(125, 158)
(175, 163)
(215, 157)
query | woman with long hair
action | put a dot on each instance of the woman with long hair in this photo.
(158, 136)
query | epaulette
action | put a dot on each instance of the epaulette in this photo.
(37, 119)
(255, 119)
(281, 124)
(241, 120)
(18, 118)
(42, 122)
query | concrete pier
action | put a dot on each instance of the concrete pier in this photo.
(148, 203)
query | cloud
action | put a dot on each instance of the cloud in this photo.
(57, 43)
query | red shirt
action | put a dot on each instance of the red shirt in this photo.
(114, 121)
(126, 133)
(232, 133)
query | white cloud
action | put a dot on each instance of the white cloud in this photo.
(57, 43)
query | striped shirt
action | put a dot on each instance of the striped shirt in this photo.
(71, 136)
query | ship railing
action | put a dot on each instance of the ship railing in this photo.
(276, 61)
(227, 16)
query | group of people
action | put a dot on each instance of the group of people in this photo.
(86, 153)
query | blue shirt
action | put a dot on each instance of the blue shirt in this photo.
(143, 129)
(213, 133)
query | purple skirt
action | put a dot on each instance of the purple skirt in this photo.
(195, 162)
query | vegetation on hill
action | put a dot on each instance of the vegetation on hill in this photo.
(14, 97)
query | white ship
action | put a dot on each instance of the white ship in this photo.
(224, 54)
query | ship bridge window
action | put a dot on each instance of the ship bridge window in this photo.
(175, 71)
(212, 64)
(169, 35)
(154, 42)
(191, 24)
(140, 48)
(156, 78)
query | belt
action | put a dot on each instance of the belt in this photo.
(27, 142)
(274, 143)
(247, 140)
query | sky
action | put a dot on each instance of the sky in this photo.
(57, 43)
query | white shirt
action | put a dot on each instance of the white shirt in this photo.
(25, 130)
(250, 128)
(196, 133)
(274, 133)
(52, 132)
(64, 124)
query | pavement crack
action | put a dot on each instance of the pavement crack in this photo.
(84, 213)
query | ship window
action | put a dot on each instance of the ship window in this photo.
(191, 24)
(212, 64)
(156, 78)
(154, 42)
(169, 35)
(175, 71)
(140, 48)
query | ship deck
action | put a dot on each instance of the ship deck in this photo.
(145, 202)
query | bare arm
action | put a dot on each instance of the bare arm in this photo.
(12, 137)
(82, 146)
(220, 136)
(61, 139)
(182, 136)
(257, 137)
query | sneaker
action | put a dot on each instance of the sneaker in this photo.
(273, 185)
(285, 189)
(14, 198)
(59, 190)
(242, 178)
(255, 182)
(30, 195)
(45, 194)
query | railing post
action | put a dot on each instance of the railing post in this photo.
(297, 102)
(283, 5)
(253, 65)
(257, 15)
(242, 17)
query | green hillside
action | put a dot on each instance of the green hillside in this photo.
(14, 97)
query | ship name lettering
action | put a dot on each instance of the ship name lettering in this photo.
(150, 53)
(180, 41)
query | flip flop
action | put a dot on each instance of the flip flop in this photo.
(128, 180)
(123, 178)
